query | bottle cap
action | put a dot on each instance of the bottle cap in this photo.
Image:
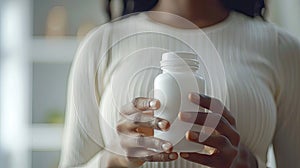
(177, 55)
(179, 59)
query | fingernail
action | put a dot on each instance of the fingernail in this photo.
(163, 124)
(185, 116)
(154, 104)
(184, 155)
(166, 147)
(195, 97)
(172, 156)
(204, 96)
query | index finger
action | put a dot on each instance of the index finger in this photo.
(212, 104)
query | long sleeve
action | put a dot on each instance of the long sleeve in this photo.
(78, 148)
(286, 140)
(265, 87)
(82, 141)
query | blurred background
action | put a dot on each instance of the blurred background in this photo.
(38, 40)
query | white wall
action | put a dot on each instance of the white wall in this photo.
(286, 14)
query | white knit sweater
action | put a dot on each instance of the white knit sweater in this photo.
(254, 69)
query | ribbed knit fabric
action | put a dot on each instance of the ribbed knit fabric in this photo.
(256, 76)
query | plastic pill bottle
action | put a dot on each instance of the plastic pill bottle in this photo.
(179, 77)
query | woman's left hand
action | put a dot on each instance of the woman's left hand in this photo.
(230, 153)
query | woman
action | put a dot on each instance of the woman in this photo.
(261, 65)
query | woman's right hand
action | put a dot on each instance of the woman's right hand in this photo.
(136, 130)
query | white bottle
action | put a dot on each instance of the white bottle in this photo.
(178, 79)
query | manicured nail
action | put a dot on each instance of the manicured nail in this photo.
(163, 125)
(204, 96)
(185, 116)
(154, 104)
(184, 155)
(195, 97)
(172, 156)
(166, 147)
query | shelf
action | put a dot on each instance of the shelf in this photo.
(46, 137)
(70, 18)
(49, 91)
(53, 49)
(45, 159)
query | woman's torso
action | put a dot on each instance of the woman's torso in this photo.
(247, 86)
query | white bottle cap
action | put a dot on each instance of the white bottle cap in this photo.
(182, 55)
(177, 59)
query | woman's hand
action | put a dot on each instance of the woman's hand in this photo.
(229, 152)
(136, 134)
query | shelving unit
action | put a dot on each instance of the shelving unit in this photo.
(46, 137)
(50, 62)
